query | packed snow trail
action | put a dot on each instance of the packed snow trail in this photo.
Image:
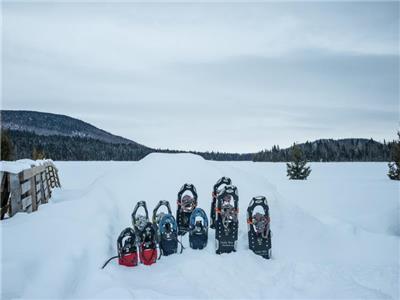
(319, 250)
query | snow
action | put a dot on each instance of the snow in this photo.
(20, 165)
(335, 235)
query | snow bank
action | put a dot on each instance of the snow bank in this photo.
(323, 246)
(20, 165)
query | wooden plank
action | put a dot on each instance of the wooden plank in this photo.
(15, 194)
(43, 198)
(33, 194)
(27, 204)
(29, 173)
(25, 186)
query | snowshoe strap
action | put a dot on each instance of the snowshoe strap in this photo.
(108, 260)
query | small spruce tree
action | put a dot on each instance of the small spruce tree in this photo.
(297, 169)
(37, 154)
(394, 166)
(6, 150)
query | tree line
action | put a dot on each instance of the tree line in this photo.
(17, 144)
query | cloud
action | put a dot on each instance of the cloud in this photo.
(227, 76)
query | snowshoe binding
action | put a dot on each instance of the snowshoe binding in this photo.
(217, 186)
(258, 225)
(198, 229)
(185, 206)
(167, 229)
(226, 225)
(127, 249)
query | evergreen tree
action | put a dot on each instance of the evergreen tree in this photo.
(394, 166)
(6, 146)
(297, 169)
(37, 154)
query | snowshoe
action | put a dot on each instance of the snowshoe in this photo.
(139, 221)
(258, 225)
(167, 229)
(185, 206)
(148, 245)
(127, 250)
(220, 182)
(198, 229)
(227, 224)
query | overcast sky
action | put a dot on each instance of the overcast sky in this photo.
(230, 77)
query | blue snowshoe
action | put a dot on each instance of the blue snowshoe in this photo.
(167, 229)
(198, 229)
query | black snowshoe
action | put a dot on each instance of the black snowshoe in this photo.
(220, 182)
(167, 229)
(258, 225)
(185, 206)
(148, 245)
(140, 221)
(227, 224)
(198, 229)
(127, 249)
(146, 235)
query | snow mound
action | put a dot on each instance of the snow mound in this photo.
(57, 251)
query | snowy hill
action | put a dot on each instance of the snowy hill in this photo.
(53, 124)
(335, 235)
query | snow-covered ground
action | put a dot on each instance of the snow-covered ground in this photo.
(335, 235)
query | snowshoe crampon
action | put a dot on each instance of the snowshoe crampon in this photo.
(222, 181)
(258, 225)
(226, 225)
(186, 203)
(127, 249)
(167, 229)
(198, 229)
(148, 245)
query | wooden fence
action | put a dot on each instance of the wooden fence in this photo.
(26, 190)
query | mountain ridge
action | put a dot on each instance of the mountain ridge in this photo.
(44, 123)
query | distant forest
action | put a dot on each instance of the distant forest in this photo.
(332, 150)
(60, 147)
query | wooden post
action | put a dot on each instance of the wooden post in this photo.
(5, 194)
(33, 193)
(15, 194)
(42, 192)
